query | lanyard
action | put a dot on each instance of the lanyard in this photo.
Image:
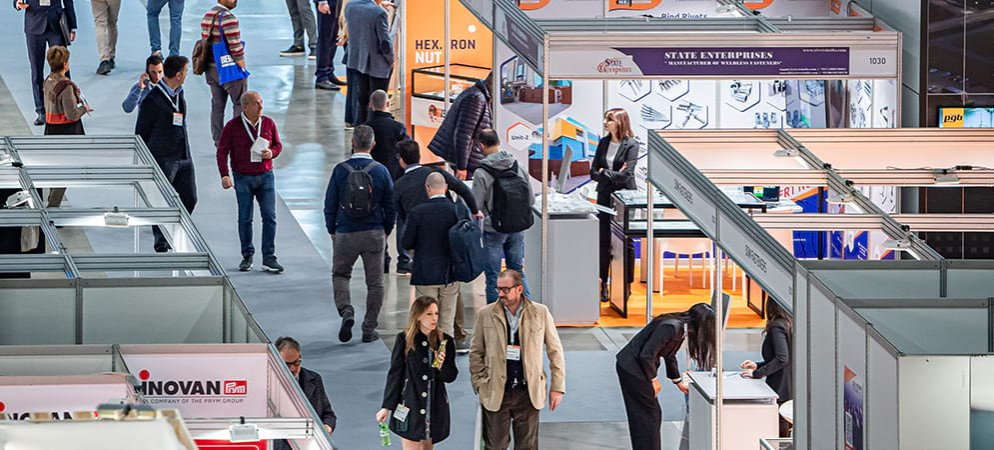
(175, 104)
(248, 129)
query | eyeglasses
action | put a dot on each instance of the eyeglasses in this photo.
(504, 290)
(294, 363)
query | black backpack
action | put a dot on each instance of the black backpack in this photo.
(466, 248)
(511, 211)
(358, 198)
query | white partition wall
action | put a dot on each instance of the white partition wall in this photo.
(881, 413)
(801, 356)
(851, 382)
(934, 402)
(822, 373)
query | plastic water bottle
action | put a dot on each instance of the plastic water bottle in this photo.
(384, 434)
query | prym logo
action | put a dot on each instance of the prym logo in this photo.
(613, 65)
(235, 387)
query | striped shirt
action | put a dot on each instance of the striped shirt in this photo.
(232, 31)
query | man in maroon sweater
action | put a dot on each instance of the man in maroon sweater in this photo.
(251, 142)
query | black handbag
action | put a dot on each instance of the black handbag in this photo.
(64, 28)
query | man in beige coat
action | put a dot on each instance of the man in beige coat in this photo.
(505, 362)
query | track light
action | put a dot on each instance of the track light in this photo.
(897, 244)
(116, 218)
(786, 152)
(839, 199)
(945, 176)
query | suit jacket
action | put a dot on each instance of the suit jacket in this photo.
(313, 387)
(166, 141)
(39, 19)
(370, 46)
(488, 354)
(410, 190)
(612, 178)
(427, 233)
(777, 366)
(388, 132)
(661, 338)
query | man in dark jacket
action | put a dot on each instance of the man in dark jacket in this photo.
(370, 54)
(388, 133)
(162, 125)
(456, 140)
(310, 382)
(43, 29)
(427, 234)
(359, 233)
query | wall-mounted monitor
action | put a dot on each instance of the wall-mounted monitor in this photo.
(973, 117)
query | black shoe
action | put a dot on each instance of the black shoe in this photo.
(462, 346)
(104, 68)
(245, 265)
(40, 120)
(370, 336)
(348, 321)
(294, 50)
(157, 53)
(336, 81)
(605, 293)
(269, 264)
(348, 125)
(326, 85)
(312, 56)
(113, 64)
(403, 269)
(163, 248)
(386, 265)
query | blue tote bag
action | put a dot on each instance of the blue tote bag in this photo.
(227, 69)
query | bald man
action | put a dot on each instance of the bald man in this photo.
(427, 235)
(251, 142)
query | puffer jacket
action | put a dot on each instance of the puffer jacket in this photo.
(456, 140)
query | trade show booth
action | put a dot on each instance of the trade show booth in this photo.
(904, 342)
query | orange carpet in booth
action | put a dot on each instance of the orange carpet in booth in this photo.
(678, 295)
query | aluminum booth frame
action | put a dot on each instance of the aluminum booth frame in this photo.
(839, 305)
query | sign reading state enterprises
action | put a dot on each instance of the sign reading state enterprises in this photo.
(716, 62)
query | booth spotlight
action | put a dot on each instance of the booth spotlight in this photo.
(897, 244)
(19, 198)
(116, 219)
(786, 152)
(945, 176)
(837, 199)
(243, 432)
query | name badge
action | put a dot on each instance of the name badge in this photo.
(45, 3)
(178, 119)
(514, 353)
(401, 413)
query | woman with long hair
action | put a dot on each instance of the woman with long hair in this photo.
(776, 366)
(638, 366)
(414, 400)
(613, 169)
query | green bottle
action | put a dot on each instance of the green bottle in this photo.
(384, 434)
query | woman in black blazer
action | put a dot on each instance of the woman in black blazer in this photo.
(613, 169)
(777, 366)
(414, 400)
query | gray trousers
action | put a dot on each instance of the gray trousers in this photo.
(347, 248)
(220, 93)
(105, 14)
(302, 19)
(448, 304)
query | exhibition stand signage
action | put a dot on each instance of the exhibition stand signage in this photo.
(62, 396)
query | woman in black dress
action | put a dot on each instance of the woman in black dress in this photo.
(776, 365)
(613, 169)
(414, 399)
(638, 365)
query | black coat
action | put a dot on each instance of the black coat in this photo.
(313, 387)
(166, 141)
(38, 19)
(422, 383)
(612, 178)
(387, 132)
(661, 338)
(456, 140)
(410, 191)
(427, 233)
(777, 366)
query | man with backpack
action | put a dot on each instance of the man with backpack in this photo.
(503, 190)
(359, 214)
(427, 235)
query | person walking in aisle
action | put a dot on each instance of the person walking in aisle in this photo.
(506, 368)
(504, 193)
(613, 169)
(327, 45)
(152, 9)
(420, 366)
(146, 82)
(105, 14)
(302, 20)
(427, 235)
(388, 132)
(64, 103)
(43, 20)
(251, 141)
(370, 53)
(310, 382)
(162, 125)
(637, 365)
(359, 214)
(777, 366)
(457, 138)
(220, 23)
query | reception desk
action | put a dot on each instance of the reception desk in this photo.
(749, 412)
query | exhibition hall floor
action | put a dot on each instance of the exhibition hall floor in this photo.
(299, 302)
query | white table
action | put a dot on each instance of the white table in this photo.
(749, 412)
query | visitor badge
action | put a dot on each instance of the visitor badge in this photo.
(514, 353)
(178, 119)
(45, 3)
(401, 413)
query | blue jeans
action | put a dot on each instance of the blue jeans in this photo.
(153, 8)
(263, 189)
(507, 246)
